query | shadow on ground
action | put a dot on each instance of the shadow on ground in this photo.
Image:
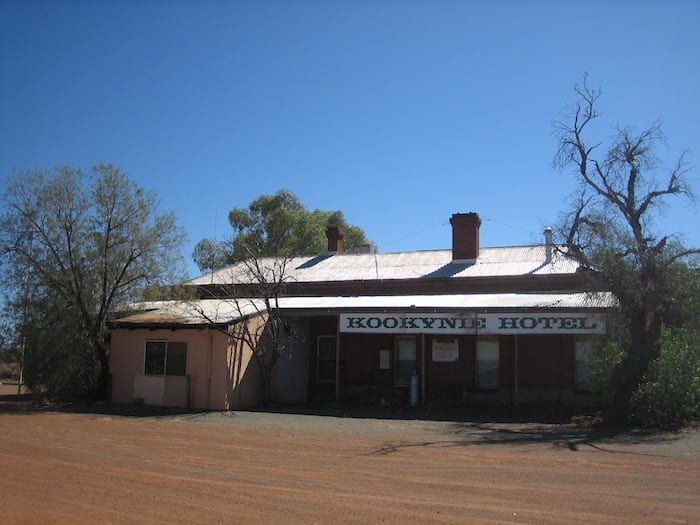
(569, 436)
(546, 424)
(25, 404)
(454, 426)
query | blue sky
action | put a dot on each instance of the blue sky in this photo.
(399, 113)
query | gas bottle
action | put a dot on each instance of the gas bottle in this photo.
(415, 382)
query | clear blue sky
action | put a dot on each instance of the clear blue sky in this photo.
(399, 113)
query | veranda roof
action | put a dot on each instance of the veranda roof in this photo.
(224, 311)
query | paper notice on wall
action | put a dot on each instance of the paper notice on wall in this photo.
(445, 351)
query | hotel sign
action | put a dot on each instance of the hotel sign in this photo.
(472, 324)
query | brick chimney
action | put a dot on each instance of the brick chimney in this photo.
(465, 236)
(335, 239)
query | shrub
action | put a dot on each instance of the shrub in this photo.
(669, 395)
(608, 353)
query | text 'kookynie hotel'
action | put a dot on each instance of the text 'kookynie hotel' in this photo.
(500, 323)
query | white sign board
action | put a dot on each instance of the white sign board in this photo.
(445, 351)
(472, 324)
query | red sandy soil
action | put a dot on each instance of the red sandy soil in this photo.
(134, 466)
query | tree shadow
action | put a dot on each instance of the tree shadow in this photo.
(563, 436)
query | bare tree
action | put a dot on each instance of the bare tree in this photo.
(611, 226)
(253, 294)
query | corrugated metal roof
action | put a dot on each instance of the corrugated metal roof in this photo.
(226, 310)
(492, 262)
(207, 311)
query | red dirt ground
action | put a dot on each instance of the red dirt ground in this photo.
(112, 467)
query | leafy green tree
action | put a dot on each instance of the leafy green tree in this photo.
(76, 245)
(58, 362)
(611, 228)
(275, 225)
(9, 353)
(680, 305)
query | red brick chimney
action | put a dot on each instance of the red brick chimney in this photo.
(465, 236)
(335, 239)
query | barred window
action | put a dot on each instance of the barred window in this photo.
(404, 360)
(582, 371)
(487, 363)
(167, 358)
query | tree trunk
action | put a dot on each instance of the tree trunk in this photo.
(104, 380)
(265, 372)
(641, 352)
(267, 389)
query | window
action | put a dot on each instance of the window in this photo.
(582, 369)
(167, 358)
(404, 360)
(325, 361)
(487, 363)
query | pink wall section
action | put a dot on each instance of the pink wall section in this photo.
(221, 376)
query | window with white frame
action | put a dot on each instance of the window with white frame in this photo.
(582, 367)
(404, 360)
(165, 358)
(487, 363)
(325, 359)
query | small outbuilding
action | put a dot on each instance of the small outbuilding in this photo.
(504, 325)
